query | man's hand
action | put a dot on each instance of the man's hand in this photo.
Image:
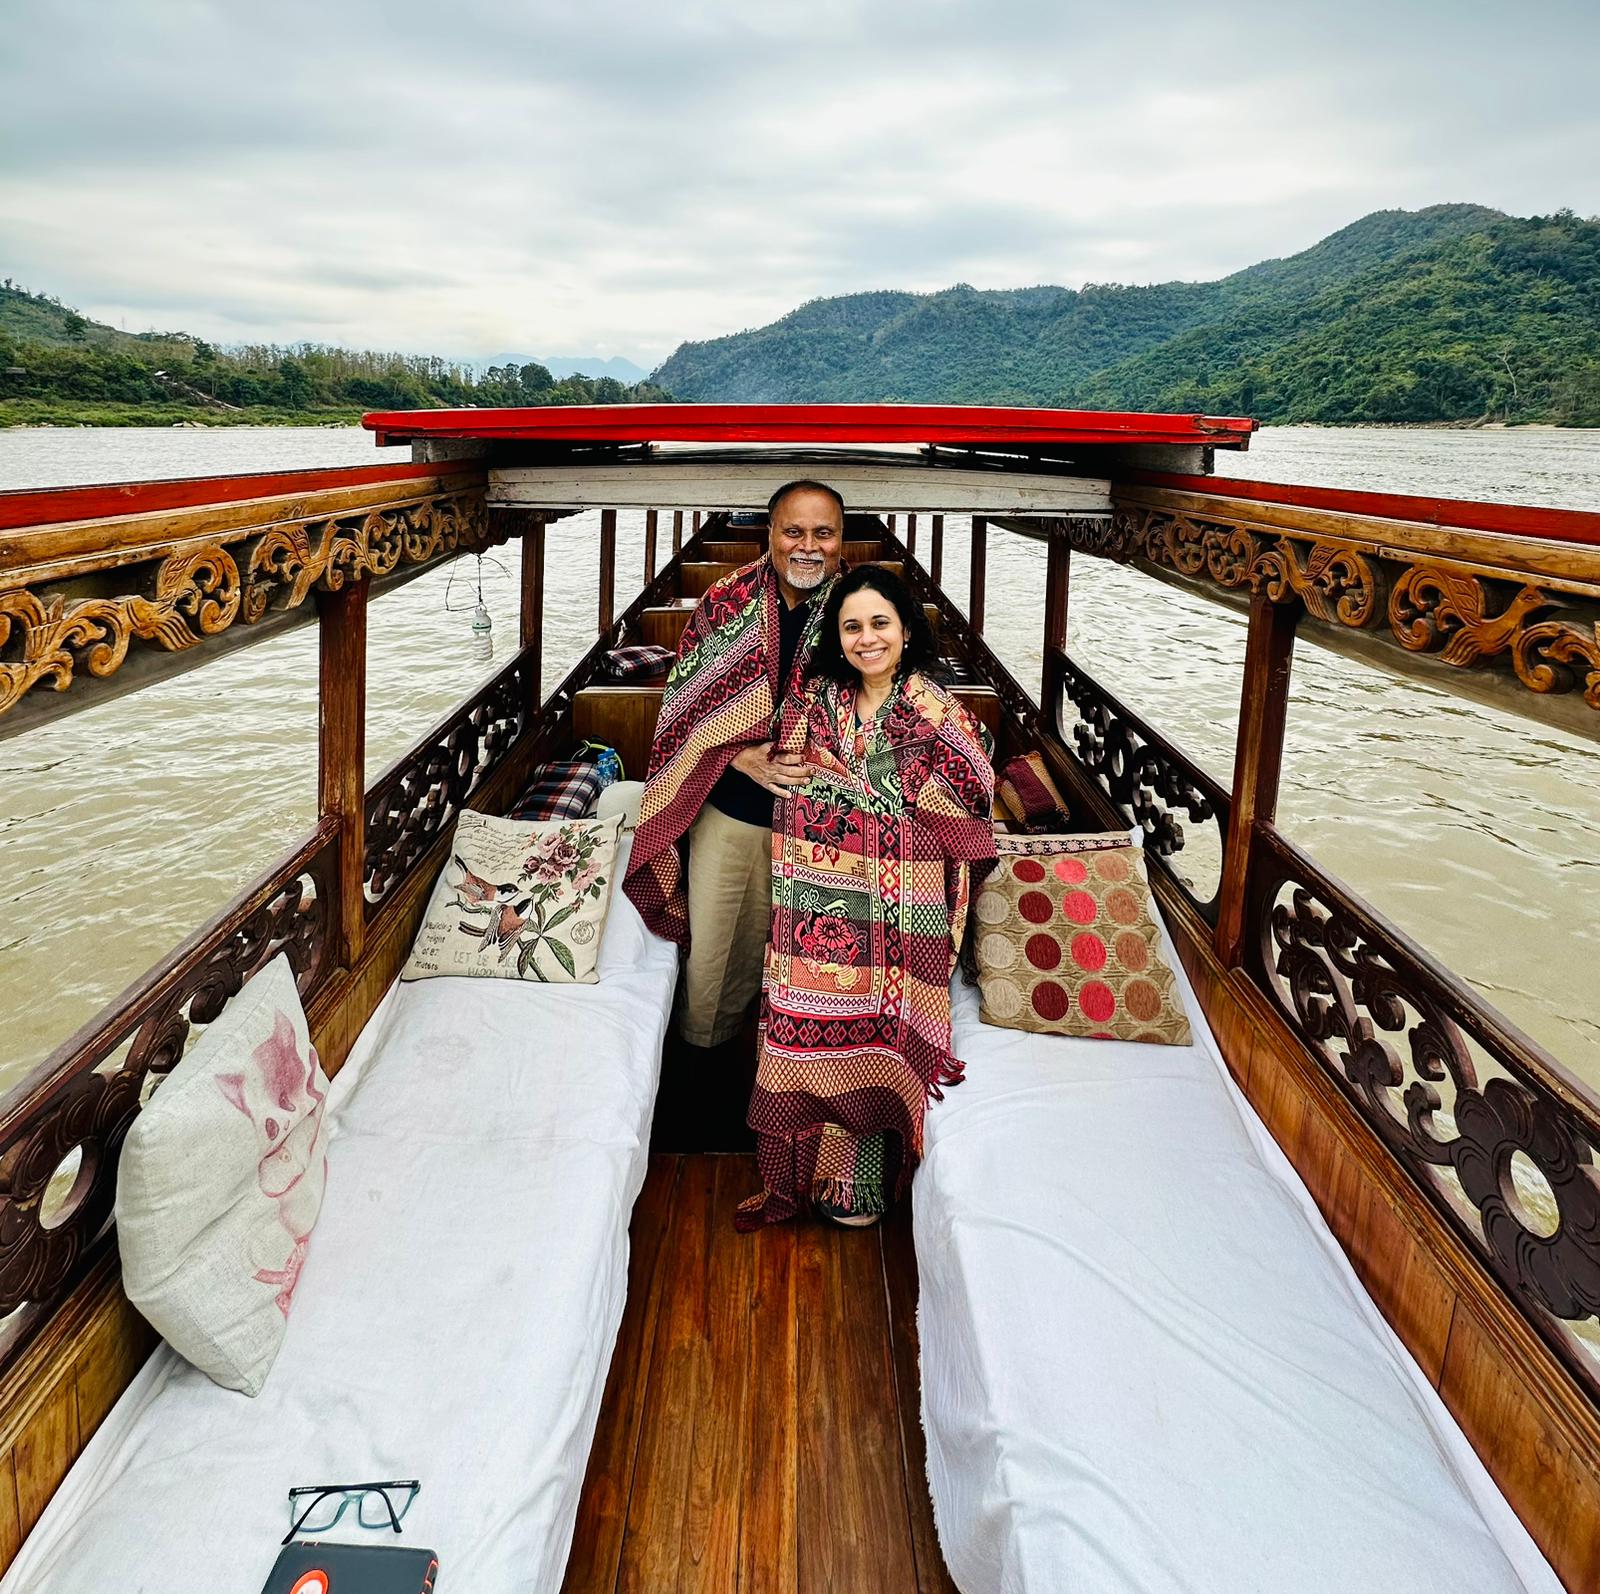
(778, 773)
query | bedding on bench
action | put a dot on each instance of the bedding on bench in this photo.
(455, 1318)
(1146, 1363)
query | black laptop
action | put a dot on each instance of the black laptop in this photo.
(308, 1567)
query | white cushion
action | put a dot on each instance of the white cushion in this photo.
(519, 899)
(220, 1183)
(621, 797)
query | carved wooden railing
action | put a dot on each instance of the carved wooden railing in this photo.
(97, 580)
(1499, 1136)
(1511, 595)
(149, 553)
(62, 1127)
(1456, 1092)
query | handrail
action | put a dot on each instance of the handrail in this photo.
(76, 1100)
(77, 594)
(1343, 979)
(1521, 520)
(1522, 613)
(44, 506)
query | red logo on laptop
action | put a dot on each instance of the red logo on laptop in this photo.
(312, 1582)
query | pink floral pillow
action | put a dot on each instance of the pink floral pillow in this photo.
(520, 899)
(221, 1181)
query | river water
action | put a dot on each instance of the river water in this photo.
(124, 827)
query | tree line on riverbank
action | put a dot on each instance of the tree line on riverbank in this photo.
(58, 366)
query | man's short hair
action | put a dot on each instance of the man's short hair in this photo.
(804, 485)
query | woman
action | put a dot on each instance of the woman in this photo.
(870, 875)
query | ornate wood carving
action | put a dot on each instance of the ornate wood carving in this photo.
(1148, 778)
(1460, 611)
(1551, 657)
(290, 560)
(425, 790)
(1394, 1030)
(85, 1096)
(176, 592)
(194, 594)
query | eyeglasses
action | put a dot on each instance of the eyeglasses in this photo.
(314, 1508)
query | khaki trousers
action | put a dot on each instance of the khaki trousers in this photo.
(730, 918)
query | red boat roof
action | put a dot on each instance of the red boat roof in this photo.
(971, 425)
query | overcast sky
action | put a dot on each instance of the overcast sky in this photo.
(601, 178)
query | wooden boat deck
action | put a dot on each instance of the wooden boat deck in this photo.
(760, 1428)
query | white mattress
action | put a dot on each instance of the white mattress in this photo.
(1147, 1365)
(455, 1319)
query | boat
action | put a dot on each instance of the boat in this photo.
(1385, 1193)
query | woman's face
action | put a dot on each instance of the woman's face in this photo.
(871, 635)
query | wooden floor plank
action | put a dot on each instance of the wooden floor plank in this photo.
(767, 1549)
(603, 1510)
(760, 1429)
(709, 1561)
(851, 1521)
(900, 1290)
(653, 1540)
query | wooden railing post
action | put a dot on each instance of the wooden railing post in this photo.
(1257, 760)
(608, 567)
(650, 518)
(342, 751)
(936, 551)
(677, 532)
(888, 521)
(1057, 568)
(533, 606)
(696, 531)
(911, 536)
(980, 553)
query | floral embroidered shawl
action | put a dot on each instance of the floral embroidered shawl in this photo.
(721, 696)
(871, 867)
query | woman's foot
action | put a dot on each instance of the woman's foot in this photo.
(845, 1218)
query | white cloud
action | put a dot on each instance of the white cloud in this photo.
(617, 177)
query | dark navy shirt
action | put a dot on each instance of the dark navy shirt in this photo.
(735, 794)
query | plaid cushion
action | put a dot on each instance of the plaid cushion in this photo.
(642, 658)
(1031, 795)
(566, 788)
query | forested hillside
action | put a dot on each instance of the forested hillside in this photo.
(57, 365)
(1453, 313)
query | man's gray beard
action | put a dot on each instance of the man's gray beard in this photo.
(804, 577)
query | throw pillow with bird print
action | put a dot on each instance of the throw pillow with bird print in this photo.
(519, 899)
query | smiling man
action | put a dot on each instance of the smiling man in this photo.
(713, 773)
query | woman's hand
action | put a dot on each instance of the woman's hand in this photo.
(778, 773)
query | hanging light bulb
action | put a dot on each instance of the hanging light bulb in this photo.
(480, 629)
(482, 632)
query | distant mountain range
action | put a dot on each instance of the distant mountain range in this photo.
(1456, 313)
(1452, 313)
(559, 365)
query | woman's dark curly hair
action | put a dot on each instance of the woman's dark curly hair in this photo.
(921, 651)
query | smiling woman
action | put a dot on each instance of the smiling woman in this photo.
(871, 864)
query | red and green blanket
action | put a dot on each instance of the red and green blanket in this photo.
(722, 695)
(871, 869)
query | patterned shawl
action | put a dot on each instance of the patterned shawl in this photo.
(871, 866)
(721, 696)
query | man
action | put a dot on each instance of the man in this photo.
(713, 774)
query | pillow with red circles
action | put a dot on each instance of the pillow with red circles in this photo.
(1067, 943)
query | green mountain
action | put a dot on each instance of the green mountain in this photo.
(1455, 312)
